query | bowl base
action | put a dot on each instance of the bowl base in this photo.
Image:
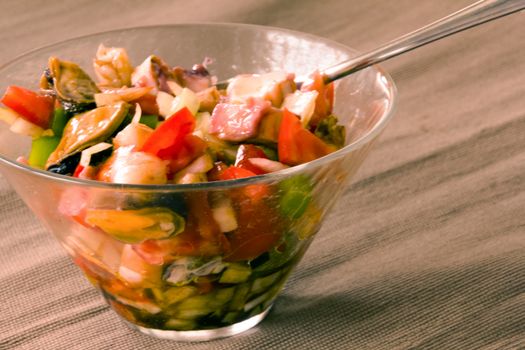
(204, 334)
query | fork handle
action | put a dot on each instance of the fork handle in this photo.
(470, 16)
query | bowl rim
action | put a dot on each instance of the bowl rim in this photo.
(297, 169)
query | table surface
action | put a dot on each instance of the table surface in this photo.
(426, 248)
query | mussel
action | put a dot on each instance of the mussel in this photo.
(86, 129)
(138, 225)
(72, 86)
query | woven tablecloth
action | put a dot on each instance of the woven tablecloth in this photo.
(425, 250)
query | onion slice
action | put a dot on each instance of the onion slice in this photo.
(85, 158)
(267, 165)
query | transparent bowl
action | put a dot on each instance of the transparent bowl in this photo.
(200, 284)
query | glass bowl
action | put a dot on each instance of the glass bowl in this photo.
(200, 284)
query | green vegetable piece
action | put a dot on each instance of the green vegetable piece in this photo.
(59, 121)
(330, 132)
(235, 273)
(87, 129)
(222, 296)
(136, 226)
(149, 120)
(240, 297)
(180, 325)
(195, 302)
(263, 283)
(230, 317)
(41, 148)
(270, 152)
(297, 195)
(176, 294)
(191, 314)
(269, 126)
(194, 307)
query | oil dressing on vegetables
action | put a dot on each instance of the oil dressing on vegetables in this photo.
(197, 259)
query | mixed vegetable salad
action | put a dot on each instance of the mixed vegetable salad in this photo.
(189, 260)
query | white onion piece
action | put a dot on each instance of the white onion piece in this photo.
(175, 88)
(9, 116)
(267, 165)
(164, 101)
(224, 215)
(301, 103)
(203, 164)
(85, 158)
(186, 98)
(137, 115)
(23, 127)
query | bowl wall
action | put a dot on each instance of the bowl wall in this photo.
(201, 280)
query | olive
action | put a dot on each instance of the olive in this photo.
(67, 166)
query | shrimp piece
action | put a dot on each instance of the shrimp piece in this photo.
(134, 134)
(112, 67)
(130, 167)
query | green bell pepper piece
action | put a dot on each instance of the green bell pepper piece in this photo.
(59, 121)
(41, 148)
(297, 194)
(149, 120)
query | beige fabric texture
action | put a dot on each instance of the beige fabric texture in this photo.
(425, 250)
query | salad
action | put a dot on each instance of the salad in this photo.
(184, 260)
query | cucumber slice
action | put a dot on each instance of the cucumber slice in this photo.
(230, 317)
(222, 296)
(235, 273)
(255, 302)
(194, 307)
(192, 314)
(174, 295)
(180, 324)
(197, 302)
(240, 296)
(263, 283)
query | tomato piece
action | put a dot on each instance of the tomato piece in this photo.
(256, 193)
(259, 231)
(150, 252)
(33, 107)
(244, 153)
(216, 171)
(187, 243)
(296, 144)
(168, 137)
(204, 285)
(200, 213)
(325, 99)
(78, 170)
(192, 147)
(148, 104)
(173, 140)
